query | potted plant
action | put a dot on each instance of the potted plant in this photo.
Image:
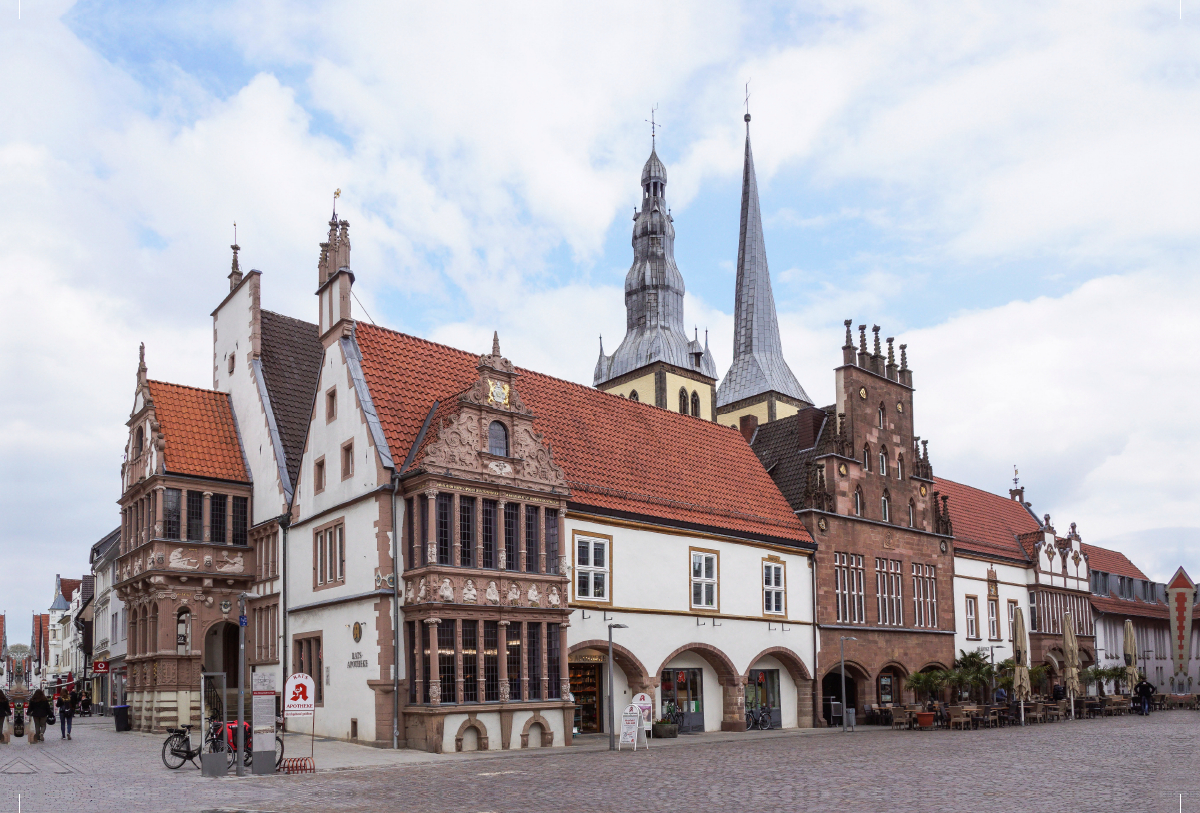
(667, 726)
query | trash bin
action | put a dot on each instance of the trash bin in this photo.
(850, 717)
(121, 716)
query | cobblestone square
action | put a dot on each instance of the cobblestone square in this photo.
(1113, 764)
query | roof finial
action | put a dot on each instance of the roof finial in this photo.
(495, 342)
(653, 126)
(337, 193)
(747, 103)
(235, 272)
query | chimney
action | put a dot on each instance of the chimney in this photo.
(748, 424)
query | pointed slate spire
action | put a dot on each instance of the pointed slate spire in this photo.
(758, 366)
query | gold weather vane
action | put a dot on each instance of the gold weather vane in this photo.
(747, 99)
(337, 193)
(653, 126)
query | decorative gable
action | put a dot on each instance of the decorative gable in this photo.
(467, 445)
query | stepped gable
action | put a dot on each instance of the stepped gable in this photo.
(987, 523)
(199, 432)
(291, 366)
(614, 451)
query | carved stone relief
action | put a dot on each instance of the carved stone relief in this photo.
(514, 594)
(446, 592)
(469, 595)
(493, 594)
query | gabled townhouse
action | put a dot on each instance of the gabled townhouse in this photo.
(532, 513)
(1005, 558)
(39, 645)
(108, 636)
(58, 671)
(1120, 592)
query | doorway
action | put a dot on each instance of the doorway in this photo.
(685, 688)
(762, 689)
(831, 692)
(589, 703)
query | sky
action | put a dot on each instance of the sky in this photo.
(1012, 190)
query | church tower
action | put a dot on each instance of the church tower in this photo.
(759, 386)
(656, 362)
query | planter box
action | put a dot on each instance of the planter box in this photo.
(665, 731)
(925, 719)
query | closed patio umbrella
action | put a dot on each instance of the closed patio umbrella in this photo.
(1022, 691)
(1131, 672)
(1071, 656)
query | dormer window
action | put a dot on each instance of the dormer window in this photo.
(498, 439)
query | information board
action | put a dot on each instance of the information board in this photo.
(262, 710)
(299, 696)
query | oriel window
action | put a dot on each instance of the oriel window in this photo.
(531, 539)
(489, 534)
(171, 497)
(466, 531)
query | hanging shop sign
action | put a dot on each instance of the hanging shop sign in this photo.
(100, 667)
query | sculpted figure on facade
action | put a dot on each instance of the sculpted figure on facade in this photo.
(421, 594)
(228, 565)
(553, 599)
(493, 594)
(409, 596)
(534, 596)
(446, 592)
(469, 595)
(514, 594)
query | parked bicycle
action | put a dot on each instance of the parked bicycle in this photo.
(177, 749)
(759, 718)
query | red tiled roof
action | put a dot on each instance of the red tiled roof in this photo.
(610, 448)
(201, 437)
(1110, 561)
(68, 587)
(1135, 607)
(984, 522)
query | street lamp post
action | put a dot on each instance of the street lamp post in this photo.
(992, 655)
(612, 714)
(845, 638)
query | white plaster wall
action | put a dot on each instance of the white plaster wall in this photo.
(651, 571)
(346, 693)
(970, 578)
(231, 334)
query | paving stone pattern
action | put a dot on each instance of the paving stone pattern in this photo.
(1114, 764)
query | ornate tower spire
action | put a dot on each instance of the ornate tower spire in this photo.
(235, 273)
(654, 289)
(758, 367)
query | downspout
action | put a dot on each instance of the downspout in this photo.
(812, 565)
(396, 526)
(284, 522)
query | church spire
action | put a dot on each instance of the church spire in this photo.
(758, 365)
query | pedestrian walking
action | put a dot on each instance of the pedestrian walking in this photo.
(39, 710)
(5, 711)
(67, 703)
(1144, 691)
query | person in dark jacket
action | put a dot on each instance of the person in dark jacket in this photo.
(66, 702)
(1144, 691)
(5, 711)
(39, 710)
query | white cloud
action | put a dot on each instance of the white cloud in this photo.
(484, 152)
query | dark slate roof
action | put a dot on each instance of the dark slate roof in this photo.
(105, 544)
(291, 365)
(787, 448)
